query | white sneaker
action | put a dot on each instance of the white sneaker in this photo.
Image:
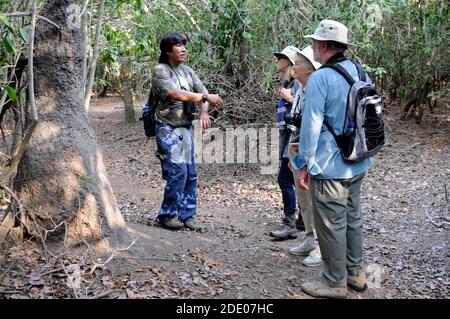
(304, 248)
(314, 258)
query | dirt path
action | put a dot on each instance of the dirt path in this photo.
(233, 257)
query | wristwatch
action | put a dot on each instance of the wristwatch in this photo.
(204, 97)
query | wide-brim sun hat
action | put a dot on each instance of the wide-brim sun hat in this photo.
(330, 30)
(309, 55)
(288, 52)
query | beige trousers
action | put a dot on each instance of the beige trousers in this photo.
(305, 202)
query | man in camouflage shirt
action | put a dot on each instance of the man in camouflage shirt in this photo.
(177, 88)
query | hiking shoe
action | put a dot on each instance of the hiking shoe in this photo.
(191, 224)
(287, 231)
(314, 258)
(323, 290)
(173, 223)
(304, 248)
(357, 283)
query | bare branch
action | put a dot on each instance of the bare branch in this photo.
(34, 116)
(25, 14)
(189, 15)
(85, 4)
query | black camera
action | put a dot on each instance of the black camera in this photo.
(189, 109)
(293, 119)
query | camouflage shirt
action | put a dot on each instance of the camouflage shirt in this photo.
(167, 78)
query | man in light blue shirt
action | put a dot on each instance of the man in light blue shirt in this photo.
(334, 183)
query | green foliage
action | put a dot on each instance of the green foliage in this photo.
(9, 45)
(24, 35)
(11, 93)
(403, 44)
(14, 43)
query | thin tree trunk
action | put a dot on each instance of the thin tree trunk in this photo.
(61, 179)
(85, 36)
(228, 67)
(244, 52)
(127, 89)
(93, 64)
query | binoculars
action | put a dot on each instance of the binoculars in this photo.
(295, 120)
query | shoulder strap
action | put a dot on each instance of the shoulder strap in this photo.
(330, 129)
(150, 97)
(185, 70)
(172, 70)
(338, 68)
(361, 72)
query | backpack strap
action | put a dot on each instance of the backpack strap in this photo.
(330, 129)
(338, 68)
(150, 97)
(361, 72)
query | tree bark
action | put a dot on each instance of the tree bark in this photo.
(93, 64)
(244, 52)
(228, 67)
(127, 89)
(62, 177)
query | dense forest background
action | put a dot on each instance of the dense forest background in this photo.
(402, 43)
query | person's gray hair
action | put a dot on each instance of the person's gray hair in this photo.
(309, 66)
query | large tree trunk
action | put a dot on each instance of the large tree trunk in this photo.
(127, 89)
(62, 178)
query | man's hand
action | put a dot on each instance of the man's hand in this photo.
(294, 147)
(302, 178)
(205, 122)
(215, 100)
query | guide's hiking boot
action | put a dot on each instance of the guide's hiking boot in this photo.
(191, 224)
(323, 290)
(287, 231)
(304, 248)
(357, 283)
(173, 224)
(314, 258)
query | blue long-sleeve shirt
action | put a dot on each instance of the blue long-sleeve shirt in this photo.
(326, 99)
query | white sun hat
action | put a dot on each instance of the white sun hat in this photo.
(288, 52)
(329, 30)
(309, 54)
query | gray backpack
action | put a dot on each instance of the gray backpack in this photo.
(363, 132)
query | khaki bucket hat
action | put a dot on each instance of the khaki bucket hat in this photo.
(329, 30)
(288, 52)
(309, 54)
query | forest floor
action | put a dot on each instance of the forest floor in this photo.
(405, 200)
